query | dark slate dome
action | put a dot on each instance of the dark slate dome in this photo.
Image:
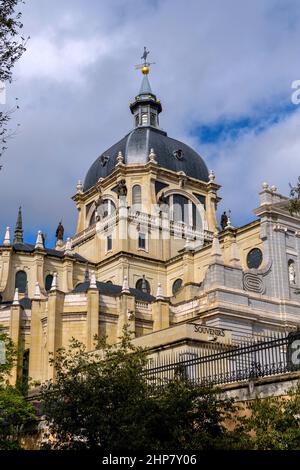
(135, 148)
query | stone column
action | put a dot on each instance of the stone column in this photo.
(211, 204)
(36, 337)
(67, 275)
(54, 326)
(123, 224)
(188, 267)
(15, 334)
(160, 314)
(126, 308)
(92, 319)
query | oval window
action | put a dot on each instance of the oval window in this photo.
(176, 286)
(254, 258)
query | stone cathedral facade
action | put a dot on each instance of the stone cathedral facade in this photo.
(149, 252)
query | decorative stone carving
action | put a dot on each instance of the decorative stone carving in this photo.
(120, 158)
(178, 154)
(211, 176)
(152, 156)
(279, 228)
(292, 272)
(254, 283)
(130, 315)
(122, 188)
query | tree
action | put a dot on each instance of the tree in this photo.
(12, 46)
(272, 423)
(104, 401)
(15, 411)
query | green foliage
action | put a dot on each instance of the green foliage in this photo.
(274, 423)
(15, 411)
(10, 358)
(103, 401)
(12, 46)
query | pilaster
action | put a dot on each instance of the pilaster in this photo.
(15, 334)
(126, 308)
(36, 337)
(160, 315)
(54, 325)
(92, 319)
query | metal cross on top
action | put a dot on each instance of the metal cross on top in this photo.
(145, 66)
(145, 54)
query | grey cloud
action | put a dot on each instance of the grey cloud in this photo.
(214, 60)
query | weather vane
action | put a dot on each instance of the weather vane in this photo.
(145, 65)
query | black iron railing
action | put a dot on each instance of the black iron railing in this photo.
(223, 364)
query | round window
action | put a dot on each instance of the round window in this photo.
(254, 258)
(143, 285)
(176, 286)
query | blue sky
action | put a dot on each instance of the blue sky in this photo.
(223, 71)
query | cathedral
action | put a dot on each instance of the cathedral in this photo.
(149, 253)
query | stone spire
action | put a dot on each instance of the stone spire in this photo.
(159, 292)
(39, 240)
(216, 253)
(120, 158)
(16, 297)
(145, 86)
(93, 284)
(18, 236)
(6, 241)
(125, 287)
(68, 247)
(37, 291)
(79, 186)
(54, 283)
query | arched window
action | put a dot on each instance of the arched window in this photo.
(136, 195)
(21, 281)
(105, 209)
(176, 286)
(143, 285)
(48, 282)
(182, 209)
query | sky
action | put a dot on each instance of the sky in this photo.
(223, 71)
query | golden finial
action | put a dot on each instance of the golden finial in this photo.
(144, 66)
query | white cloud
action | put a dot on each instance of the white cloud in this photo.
(243, 164)
(214, 60)
(46, 58)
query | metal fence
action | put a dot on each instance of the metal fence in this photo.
(222, 364)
